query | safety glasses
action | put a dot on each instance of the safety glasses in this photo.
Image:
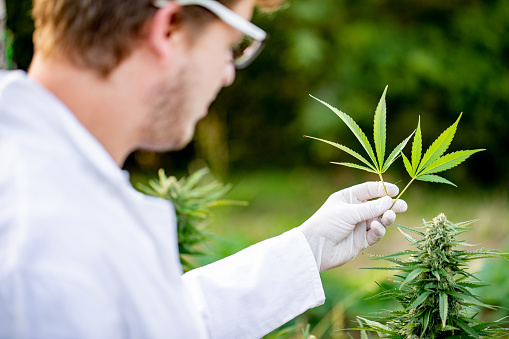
(254, 37)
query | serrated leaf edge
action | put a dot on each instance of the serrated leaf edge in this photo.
(356, 130)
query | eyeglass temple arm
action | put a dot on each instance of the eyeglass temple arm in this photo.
(224, 13)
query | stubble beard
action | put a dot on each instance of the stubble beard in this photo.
(167, 127)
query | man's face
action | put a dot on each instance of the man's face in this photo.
(183, 97)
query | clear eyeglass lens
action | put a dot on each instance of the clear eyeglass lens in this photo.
(242, 47)
(245, 51)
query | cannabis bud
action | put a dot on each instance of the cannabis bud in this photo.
(435, 287)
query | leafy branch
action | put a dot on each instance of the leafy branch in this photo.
(433, 161)
(419, 167)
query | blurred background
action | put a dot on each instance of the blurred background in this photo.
(439, 58)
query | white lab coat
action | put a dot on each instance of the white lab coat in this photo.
(84, 255)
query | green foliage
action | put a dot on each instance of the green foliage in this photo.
(434, 287)
(495, 271)
(273, 206)
(192, 201)
(378, 164)
(447, 57)
(433, 161)
(439, 57)
(20, 23)
(7, 42)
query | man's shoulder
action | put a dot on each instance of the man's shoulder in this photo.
(68, 209)
(12, 78)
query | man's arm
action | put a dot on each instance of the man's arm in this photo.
(253, 292)
(257, 290)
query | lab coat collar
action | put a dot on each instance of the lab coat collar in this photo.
(58, 119)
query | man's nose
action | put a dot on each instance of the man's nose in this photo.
(229, 71)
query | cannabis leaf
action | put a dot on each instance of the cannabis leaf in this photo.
(375, 163)
(419, 167)
(433, 161)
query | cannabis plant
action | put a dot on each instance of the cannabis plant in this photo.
(434, 287)
(193, 201)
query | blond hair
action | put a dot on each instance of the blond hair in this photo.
(100, 34)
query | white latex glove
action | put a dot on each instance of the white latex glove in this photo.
(347, 223)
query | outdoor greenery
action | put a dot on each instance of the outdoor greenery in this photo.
(192, 200)
(20, 24)
(434, 288)
(436, 297)
(350, 289)
(274, 208)
(421, 167)
(438, 57)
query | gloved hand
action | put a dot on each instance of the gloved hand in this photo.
(347, 223)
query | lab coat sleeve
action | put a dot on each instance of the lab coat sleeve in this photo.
(253, 292)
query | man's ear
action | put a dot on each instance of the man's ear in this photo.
(161, 31)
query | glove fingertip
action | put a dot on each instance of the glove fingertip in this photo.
(400, 206)
(388, 218)
(376, 233)
(392, 189)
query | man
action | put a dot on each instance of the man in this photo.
(84, 255)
